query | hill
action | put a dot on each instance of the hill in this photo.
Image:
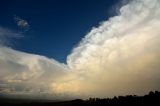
(153, 98)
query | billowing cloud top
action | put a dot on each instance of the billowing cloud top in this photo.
(119, 57)
(122, 55)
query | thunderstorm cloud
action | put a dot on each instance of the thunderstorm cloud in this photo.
(119, 57)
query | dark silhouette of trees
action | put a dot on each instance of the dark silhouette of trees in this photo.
(153, 98)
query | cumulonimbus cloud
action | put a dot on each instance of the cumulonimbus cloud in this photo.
(122, 55)
(119, 57)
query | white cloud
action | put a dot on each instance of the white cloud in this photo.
(122, 55)
(28, 73)
(24, 74)
(21, 23)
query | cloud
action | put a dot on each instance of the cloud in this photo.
(6, 35)
(27, 73)
(21, 23)
(122, 55)
(119, 57)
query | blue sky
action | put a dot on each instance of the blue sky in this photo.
(55, 26)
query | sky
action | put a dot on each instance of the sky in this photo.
(52, 22)
(68, 49)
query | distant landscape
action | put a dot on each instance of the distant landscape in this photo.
(151, 98)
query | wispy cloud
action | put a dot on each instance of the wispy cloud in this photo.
(21, 23)
(6, 35)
